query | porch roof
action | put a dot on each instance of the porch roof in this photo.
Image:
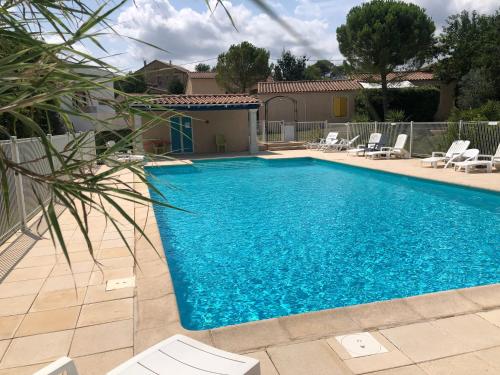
(209, 102)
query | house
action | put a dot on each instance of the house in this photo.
(203, 83)
(189, 124)
(98, 114)
(334, 100)
(159, 76)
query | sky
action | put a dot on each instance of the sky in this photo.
(187, 32)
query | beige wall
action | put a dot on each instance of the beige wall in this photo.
(158, 75)
(310, 107)
(233, 124)
(204, 86)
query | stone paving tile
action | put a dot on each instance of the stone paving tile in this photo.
(9, 325)
(492, 356)
(101, 363)
(108, 311)
(16, 305)
(62, 269)
(72, 281)
(441, 304)
(24, 370)
(20, 288)
(98, 293)
(319, 324)
(58, 299)
(76, 257)
(376, 362)
(266, 366)
(154, 287)
(31, 273)
(406, 370)
(114, 263)
(102, 276)
(101, 338)
(4, 344)
(487, 296)
(250, 336)
(384, 313)
(114, 252)
(312, 357)
(156, 312)
(150, 269)
(43, 348)
(472, 329)
(492, 316)
(49, 321)
(465, 364)
(424, 341)
(36, 261)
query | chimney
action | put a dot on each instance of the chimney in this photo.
(169, 62)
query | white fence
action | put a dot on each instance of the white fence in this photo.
(23, 191)
(424, 137)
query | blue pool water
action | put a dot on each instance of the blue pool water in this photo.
(268, 238)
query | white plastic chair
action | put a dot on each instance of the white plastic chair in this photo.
(486, 161)
(330, 139)
(373, 141)
(398, 150)
(177, 355)
(454, 153)
(343, 144)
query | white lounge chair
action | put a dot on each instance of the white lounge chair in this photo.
(330, 139)
(386, 152)
(486, 161)
(174, 356)
(343, 144)
(454, 153)
(373, 143)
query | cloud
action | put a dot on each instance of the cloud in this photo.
(190, 35)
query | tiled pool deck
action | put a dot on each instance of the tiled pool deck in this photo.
(46, 312)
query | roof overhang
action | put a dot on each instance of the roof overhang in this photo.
(195, 107)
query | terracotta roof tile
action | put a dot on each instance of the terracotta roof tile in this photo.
(307, 86)
(398, 76)
(202, 75)
(181, 100)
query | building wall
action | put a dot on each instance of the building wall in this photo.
(204, 86)
(158, 76)
(233, 124)
(310, 107)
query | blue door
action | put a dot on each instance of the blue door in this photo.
(181, 135)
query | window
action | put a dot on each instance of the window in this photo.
(340, 106)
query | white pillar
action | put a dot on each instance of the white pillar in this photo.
(138, 143)
(252, 146)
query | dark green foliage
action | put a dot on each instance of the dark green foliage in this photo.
(202, 67)
(131, 83)
(290, 67)
(489, 111)
(474, 89)
(241, 67)
(325, 69)
(471, 41)
(313, 73)
(416, 104)
(381, 35)
(176, 87)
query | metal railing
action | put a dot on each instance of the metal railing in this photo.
(424, 137)
(25, 192)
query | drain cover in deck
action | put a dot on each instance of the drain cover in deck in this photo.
(361, 344)
(127, 282)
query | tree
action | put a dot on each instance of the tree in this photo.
(470, 41)
(131, 83)
(313, 73)
(382, 35)
(202, 67)
(241, 67)
(175, 86)
(474, 89)
(290, 67)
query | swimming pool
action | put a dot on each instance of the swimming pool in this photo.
(269, 238)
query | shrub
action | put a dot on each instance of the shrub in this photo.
(489, 111)
(395, 115)
(417, 103)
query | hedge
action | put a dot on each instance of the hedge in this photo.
(418, 103)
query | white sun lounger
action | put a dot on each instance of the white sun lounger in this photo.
(330, 139)
(486, 161)
(386, 152)
(454, 153)
(343, 144)
(177, 355)
(373, 141)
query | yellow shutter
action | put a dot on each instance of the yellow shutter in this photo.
(340, 106)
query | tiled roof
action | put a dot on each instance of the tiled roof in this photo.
(202, 75)
(186, 101)
(307, 86)
(397, 76)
